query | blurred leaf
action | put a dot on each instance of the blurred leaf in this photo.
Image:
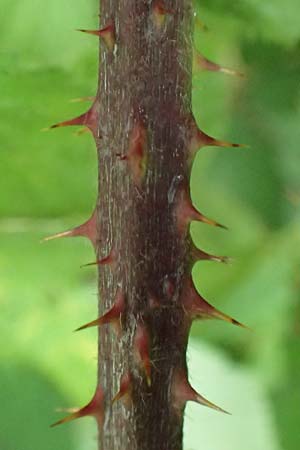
(47, 174)
(53, 296)
(53, 367)
(286, 397)
(44, 294)
(260, 292)
(254, 18)
(237, 390)
(26, 400)
(43, 36)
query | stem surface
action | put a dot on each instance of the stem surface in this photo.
(144, 93)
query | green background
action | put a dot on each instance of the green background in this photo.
(49, 182)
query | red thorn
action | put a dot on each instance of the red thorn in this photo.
(183, 392)
(94, 409)
(203, 63)
(125, 389)
(107, 34)
(141, 347)
(137, 154)
(89, 119)
(109, 260)
(196, 307)
(200, 139)
(186, 212)
(198, 254)
(112, 316)
(87, 229)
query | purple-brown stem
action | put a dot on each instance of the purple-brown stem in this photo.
(145, 125)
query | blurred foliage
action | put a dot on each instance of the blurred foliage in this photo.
(49, 183)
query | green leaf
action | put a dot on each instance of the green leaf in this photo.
(43, 36)
(238, 391)
(271, 21)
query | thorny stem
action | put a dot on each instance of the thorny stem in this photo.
(146, 82)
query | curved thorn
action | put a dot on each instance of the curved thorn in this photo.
(87, 230)
(125, 388)
(182, 392)
(70, 418)
(203, 401)
(89, 119)
(196, 307)
(107, 34)
(107, 260)
(209, 221)
(79, 120)
(136, 156)
(186, 212)
(68, 233)
(111, 316)
(199, 139)
(203, 63)
(200, 255)
(94, 323)
(93, 408)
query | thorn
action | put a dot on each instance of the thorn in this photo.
(83, 99)
(89, 119)
(196, 307)
(87, 229)
(142, 352)
(107, 34)
(200, 139)
(125, 389)
(94, 408)
(183, 392)
(136, 156)
(112, 316)
(186, 212)
(109, 260)
(203, 401)
(203, 63)
(200, 217)
(200, 255)
(160, 14)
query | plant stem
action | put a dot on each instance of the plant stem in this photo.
(144, 88)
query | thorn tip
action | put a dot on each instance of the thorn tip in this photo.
(112, 316)
(196, 307)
